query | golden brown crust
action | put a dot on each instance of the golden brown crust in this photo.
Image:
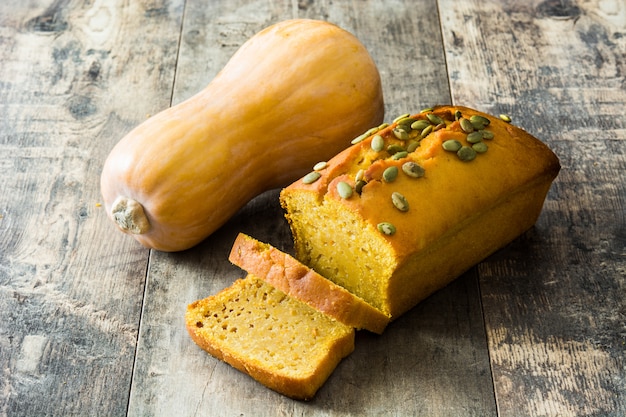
(301, 282)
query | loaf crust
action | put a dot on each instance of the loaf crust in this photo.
(277, 340)
(299, 281)
(459, 212)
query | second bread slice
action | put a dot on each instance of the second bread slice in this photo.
(277, 340)
(302, 283)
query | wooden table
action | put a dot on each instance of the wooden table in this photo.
(91, 323)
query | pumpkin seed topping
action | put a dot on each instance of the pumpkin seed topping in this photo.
(399, 201)
(480, 147)
(413, 145)
(358, 187)
(400, 155)
(426, 131)
(390, 174)
(466, 154)
(359, 138)
(458, 115)
(371, 131)
(475, 137)
(386, 228)
(311, 177)
(466, 125)
(478, 120)
(402, 116)
(426, 110)
(413, 170)
(420, 124)
(505, 117)
(394, 149)
(320, 166)
(406, 121)
(434, 119)
(382, 126)
(359, 175)
(488, 134)
(400, 133)
(452, 145)
(378, 143)
(344, 189)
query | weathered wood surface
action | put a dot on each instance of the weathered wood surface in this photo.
(92, 324)
(555, 301)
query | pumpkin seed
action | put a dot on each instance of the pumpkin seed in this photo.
(386, 228)
(466, 125)
(466, 154)
(400, 133)
(480, 147)
(407, 121)
(400, 155)
(488, 134)
(506, 118)
(426, 131)
(420, 124)
(413, 145)
(359, 138)
(382, 126)
(377, 143)
(371, 131)
(390, 174)
(358, 187)
(452, 145)
(359, 175)
(399, 201)
(434, 119)
(458, 115)
(402, 116)
(320, 166)
(413, 170)
(311, 177)
(475, 137)
(344, 189)
(439, 126)
(393, 149)
(478, 120)
(426, 110)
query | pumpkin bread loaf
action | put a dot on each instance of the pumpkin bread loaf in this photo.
(412, 205)
(277, 340)
(300, 282)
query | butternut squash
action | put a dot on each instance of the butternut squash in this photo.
(294, 94)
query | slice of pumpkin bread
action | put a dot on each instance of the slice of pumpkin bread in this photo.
(301, 282)
(279, 341)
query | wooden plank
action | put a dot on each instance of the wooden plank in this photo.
(553, 300)
(71, 286)
(432, 362)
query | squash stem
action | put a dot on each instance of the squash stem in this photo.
(129, 216)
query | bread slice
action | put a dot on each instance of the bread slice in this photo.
(395, 239)
(277, 340)
(299, 281)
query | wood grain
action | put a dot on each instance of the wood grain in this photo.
(553, 300)
(70, 286)
(91, 323)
